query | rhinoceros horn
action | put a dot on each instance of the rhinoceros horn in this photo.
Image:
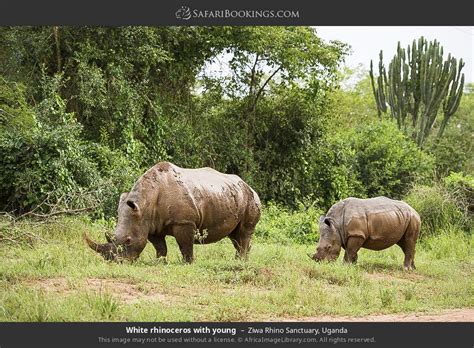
(107, 250)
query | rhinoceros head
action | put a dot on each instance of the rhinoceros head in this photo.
(329, 240)
(131, 232)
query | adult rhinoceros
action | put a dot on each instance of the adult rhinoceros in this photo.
(374, 223)
(195, 206)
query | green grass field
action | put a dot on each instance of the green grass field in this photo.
(59, 279)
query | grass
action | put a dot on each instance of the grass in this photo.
(59, 279)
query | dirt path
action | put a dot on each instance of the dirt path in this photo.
(451, 315)
(131, 293)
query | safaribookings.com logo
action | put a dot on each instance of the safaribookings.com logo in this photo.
(185, 13)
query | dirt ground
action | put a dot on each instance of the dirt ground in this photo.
(131, 293)
(450, 315)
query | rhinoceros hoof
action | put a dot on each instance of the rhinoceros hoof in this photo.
(162, 259)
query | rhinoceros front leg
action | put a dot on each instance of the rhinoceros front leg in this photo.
(352, 247)
(159, 243)
(184, 235)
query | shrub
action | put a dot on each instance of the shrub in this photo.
(55, 167)
(41, 163)
(386, 161)
(450, 243)
(333, 172)
(14, 111)
(435, 206)
(461, 187)
(47, 165)
(444, 205)
(281, 225)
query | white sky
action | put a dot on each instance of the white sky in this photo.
(366, 42)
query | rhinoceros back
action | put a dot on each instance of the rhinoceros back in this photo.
(215, 202)
(381, 221)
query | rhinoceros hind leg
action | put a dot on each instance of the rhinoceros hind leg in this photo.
(408, 247)
(240, 238)
(408, 242)
(184, 235)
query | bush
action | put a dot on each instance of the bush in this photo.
(387, 162)
(278, 224)
(45, 162)
(14, 111)
(117, 174)
(449, 243)
(333, 172)
(55, 167)
(444, 205)
(285, 128)
(41, 163)
(436, 208)
(461, 187)
(454, 152)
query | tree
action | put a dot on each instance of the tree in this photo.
(118, 82)
(263, 60)
(352, 103)
(419, 83)
(455, 151)
(144, 94)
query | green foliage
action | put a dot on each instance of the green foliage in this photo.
(46, 165)
(461, 188)
(53, 165)
(92, 108)
(352, 104)
(295, 53)
(15, 113)
(133, 89)
(436, 209)
(444, 205)
(281, 225)
(115, 81)
(386, 161)
(449, 243)
(454, 152)
(287, 127)
(334, 172)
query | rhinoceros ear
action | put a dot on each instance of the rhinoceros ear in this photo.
(133, 205)
(327, 221)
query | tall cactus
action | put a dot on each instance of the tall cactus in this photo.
(418, 83)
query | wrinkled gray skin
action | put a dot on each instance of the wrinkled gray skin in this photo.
(374, 223)
(195, 206)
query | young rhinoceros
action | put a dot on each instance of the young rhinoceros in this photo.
(374, 223)
(195, 206)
